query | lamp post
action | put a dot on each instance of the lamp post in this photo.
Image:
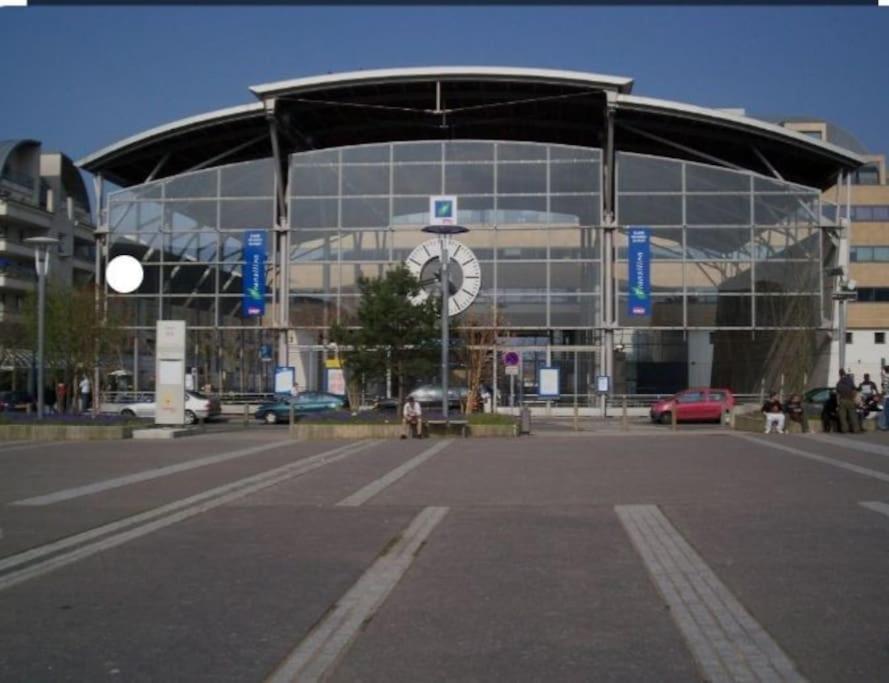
(444, 233)
(41, 262)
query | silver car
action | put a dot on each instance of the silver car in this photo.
(430, 394)
(142, 404)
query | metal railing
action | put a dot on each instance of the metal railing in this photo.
(612, 400)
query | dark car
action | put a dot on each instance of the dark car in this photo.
(307, 402)
(15, 400)
(814, 399)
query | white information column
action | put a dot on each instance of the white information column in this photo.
(169, 392)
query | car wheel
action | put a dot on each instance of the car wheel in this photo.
(190, 417)
(270, 418)
(665, 418)
(126, 412)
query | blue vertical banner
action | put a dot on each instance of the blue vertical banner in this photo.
(639, 277)
(254, 273)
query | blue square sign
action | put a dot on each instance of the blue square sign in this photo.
(443, 210)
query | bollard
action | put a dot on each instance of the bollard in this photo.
(290, 427)
(576, 425)
(673, 420)
(525, 421)
(246, 415)
(731, 417)
(624, 422)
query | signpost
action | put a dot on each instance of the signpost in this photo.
(548, 382)
(284, 378)
(169, 393)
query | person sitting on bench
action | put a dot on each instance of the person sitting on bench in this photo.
(413, 419)
(774, 412)
(796, 412)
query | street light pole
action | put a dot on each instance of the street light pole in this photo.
(445, 332)
(41, 263)
(444, 233)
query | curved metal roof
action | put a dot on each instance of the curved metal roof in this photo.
(7, 147)
(443, 73)
(496, 103)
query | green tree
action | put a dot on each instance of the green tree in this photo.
(389, 331)
(77, 334)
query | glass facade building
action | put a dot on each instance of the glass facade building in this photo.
(551, 170)
(731, 250)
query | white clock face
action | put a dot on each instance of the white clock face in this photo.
(464, 273)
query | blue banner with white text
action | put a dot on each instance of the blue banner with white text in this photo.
(254, 273)
(639, 276)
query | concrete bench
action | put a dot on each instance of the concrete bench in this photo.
(462, 424)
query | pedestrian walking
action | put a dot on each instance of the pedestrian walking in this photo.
(846, 403)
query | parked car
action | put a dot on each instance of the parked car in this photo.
(814, 399)
(134, 404)
(307, 402)
(15, 400)
(691, 405)
(430, 395)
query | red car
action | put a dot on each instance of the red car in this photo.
(693, 405)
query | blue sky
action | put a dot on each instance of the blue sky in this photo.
(81, 78)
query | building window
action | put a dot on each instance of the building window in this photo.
(868, 174)
(873, 213)
(848, 337)
(873, 294)
(879, 337)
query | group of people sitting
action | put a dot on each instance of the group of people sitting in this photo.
(845, 410)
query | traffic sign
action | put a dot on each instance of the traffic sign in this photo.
(511, 358)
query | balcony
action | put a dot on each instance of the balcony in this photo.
(20, 212)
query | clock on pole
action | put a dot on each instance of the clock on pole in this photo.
(463, 273)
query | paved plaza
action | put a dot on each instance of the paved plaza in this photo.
(597, 556)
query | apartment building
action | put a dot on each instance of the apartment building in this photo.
(41, 193)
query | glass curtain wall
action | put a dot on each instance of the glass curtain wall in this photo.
(730, 252)
(533, 211)
(736, 271)
(188, 233)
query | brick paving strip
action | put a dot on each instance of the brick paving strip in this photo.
(375, 487)
(99, 486)
(158, 518)
(727, 642)
(317, 655)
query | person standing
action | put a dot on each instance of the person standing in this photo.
(846, 403)
(85, 394)
(884, 380)
(294, 390)
(774, 413)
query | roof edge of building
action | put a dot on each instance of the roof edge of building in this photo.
(620, 84)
